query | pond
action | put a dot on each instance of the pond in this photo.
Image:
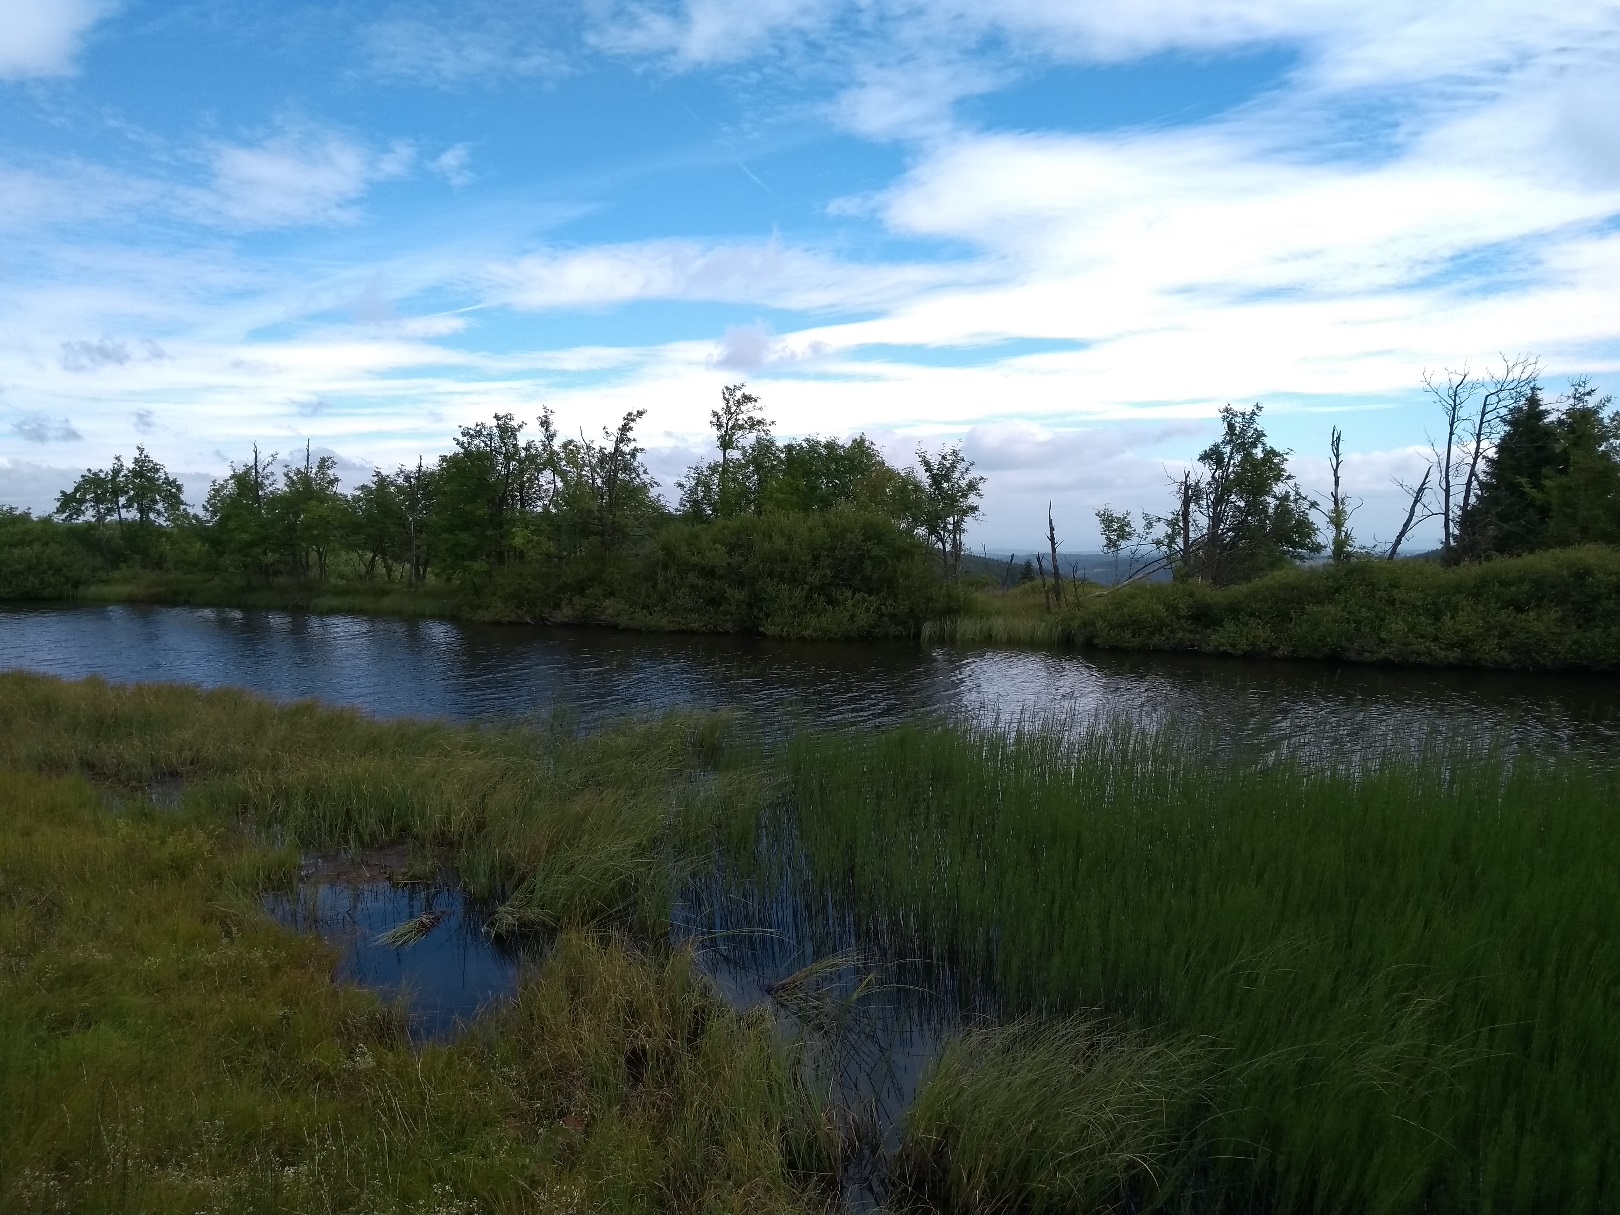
(435, 668)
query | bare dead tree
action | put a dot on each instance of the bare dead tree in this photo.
(1472, 410)
(1417, 508)
(1453, 394)
(1051, 540)
(1504, 390)
(1040, 566)
(1341, 506)
(1187, 495)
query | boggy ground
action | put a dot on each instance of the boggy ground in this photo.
(1230, 985)
(165, 1047)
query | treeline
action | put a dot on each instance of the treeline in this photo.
(813, 537)
(1509, 473)
(1527, 575)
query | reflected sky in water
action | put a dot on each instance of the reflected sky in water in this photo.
(434, 668)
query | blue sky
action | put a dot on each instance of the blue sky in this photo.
(1061, 233)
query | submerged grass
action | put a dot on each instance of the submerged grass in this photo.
(1407, 972)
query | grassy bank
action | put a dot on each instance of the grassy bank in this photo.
(1546, 612)
(1226, 986)
(1386, 990)
(335, 597)
(165, 1047)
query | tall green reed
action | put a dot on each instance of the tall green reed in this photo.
(1407, 971)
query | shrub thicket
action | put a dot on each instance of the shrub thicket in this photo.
(1556, 610)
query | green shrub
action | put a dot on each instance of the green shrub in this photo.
(1556, 610)
(834, 574)
(40, 559)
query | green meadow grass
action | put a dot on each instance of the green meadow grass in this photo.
(1401, 984)
(580, 832)
(165, 1047)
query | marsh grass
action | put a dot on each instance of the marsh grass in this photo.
(1052, 1115)
(1228, 985)
(1407, 971)
(563, 831)
(164, 1047)
(1017, 616)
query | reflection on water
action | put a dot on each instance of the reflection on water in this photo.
(441, 981)
(433, 668)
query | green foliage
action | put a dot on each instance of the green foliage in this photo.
(1557, 610)
(1251, 516)
(540, 529)
(134, 510)
(1509, 514)
(1582, 495)
(947, 498)
(1402, 977)
(841, 573)
(40, 559)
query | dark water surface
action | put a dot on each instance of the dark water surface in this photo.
(434, 668)
(441, 981)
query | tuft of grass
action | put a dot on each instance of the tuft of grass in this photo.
(1056, 1115)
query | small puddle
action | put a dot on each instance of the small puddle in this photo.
(449, 972)
(871, 1028)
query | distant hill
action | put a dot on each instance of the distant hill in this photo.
(1090, 567)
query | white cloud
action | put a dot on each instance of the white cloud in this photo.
(451, 164)
(474, 47)
(767, 274)
(43, 37)
(296, 177)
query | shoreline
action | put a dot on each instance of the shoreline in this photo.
(1548, 613)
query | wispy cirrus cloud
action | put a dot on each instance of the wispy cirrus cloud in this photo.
(766, 273)
(298, 176)
(480, 45)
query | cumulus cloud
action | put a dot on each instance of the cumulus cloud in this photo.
(43, 37)
(745, 347)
